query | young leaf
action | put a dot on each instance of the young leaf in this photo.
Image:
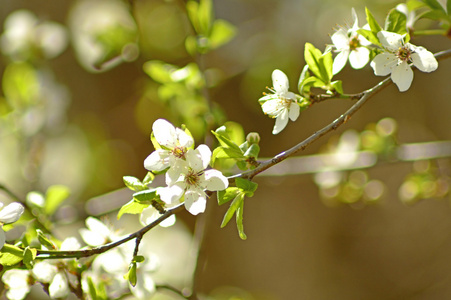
(247, 186)
(205, 16)
(221, 32)
(369, 35)
(239, 221)
(148, 178)
(134, 183)
(145, 196)
(131, 274)
(232, 209)
(231, 149)
(10, 255)
(375, 27)
(252, 151)
(312, 56)
(132, 207)
(227, 195)
(396, 22)
(337, 85)
(44, 240)
(29, 255)
(54, 196)
(304, 75)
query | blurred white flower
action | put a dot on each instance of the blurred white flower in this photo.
(281, 104)
(97, 233)
(395, 60)
(350, 45)
(9, 214)
(25, 36)
(16, 282)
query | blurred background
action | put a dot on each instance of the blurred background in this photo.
(84, 121)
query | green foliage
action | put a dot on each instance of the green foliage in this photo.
(132, 207)
(54, 197)
(10, 255)
(244, 188)
(135, 184)
(45, 241)
(396, 22)
(96, 292)
(320, 64)
(29, 255)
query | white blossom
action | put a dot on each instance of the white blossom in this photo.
(97, 233)
(16, 282)
(396, 58)
(174, 144)
(10, 214)
(193, 180)
(281, 104)
(150, 214)
(350, 45)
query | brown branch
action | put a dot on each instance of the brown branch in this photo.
(365, 96)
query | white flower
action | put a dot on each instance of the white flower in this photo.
(174, 142)
(97, 233)
(10, 214)
(397, 57)
(17, 283)
(350, 45)
(282, 104)
(150, 214)
(193, 180)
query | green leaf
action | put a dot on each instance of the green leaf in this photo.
(375, 27)
(54, 197)
(138, 258)
(252, 151)
(132, 207)
(148, 178)
(227, 195)
(247, 186)
(337, 85)
(205, 15)
(396, 22)
(233, 150)
(369, 35)
(320, 64)
(131, 274)
(221, 32)
(145, 196)
(44, 240)
(29, 255)
(435, 5)
(159, 71)
(92, 288)
(10, 255)
(448, 7)
(239, 221)
(232, 209)
(304, 75)
(134, 183)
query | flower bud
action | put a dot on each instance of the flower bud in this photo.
(253, 138)
(11, 213)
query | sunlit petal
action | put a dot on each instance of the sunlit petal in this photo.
(402, 76)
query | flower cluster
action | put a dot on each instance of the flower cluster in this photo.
(187, 176)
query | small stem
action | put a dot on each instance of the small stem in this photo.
(172, 289)
(430, 32)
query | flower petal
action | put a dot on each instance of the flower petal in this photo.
(215, 180)
(340, 39)
(172, 194)
(340, 61)
(183, 138)
(390, 40)
(11, 213)
(402, 75)
(424, 60)
(205, 155)
(195, 201)
(294, 111)
(164, 133)
(281, 122)
(272, 107)
(59, 287)
(383, 63)
(280, 81)
(359, 57)
(157, 160)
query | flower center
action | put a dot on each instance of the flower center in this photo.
(193, 178)
(354, 43)
(179, 152)
(403, 53)
(285, 102)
